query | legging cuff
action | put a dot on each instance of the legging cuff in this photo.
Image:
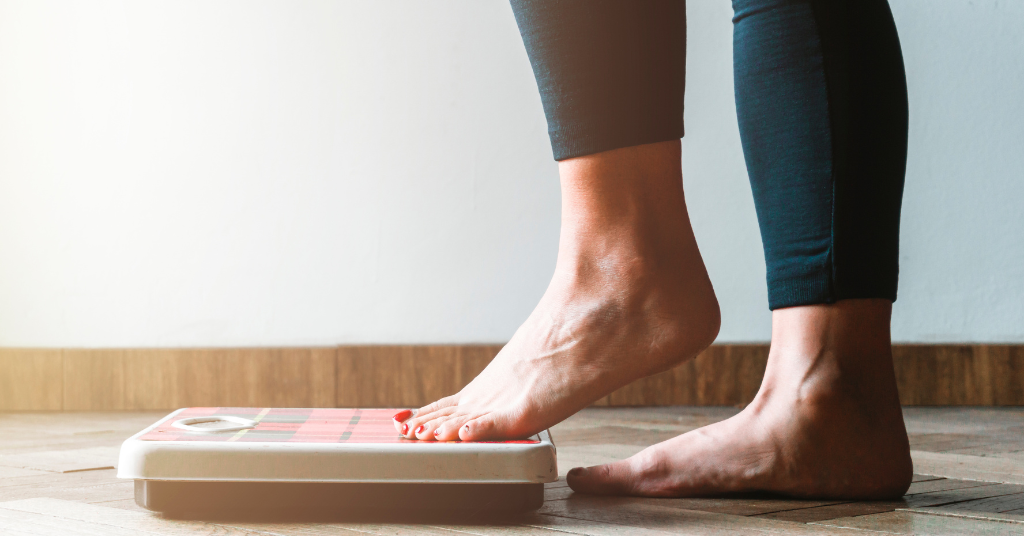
(820, 288)
(583, 139)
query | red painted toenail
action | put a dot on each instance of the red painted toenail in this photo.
(405, 428)
(402, 415)
(419, 430)
(437, 432)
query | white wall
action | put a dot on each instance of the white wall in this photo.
(196, 173)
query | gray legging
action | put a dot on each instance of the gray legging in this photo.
(822, 104)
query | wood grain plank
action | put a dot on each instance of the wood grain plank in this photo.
(557, 494)
(31, 379)
(943, 484)
(414, 375)
(589, 527)
(114, 520)
(1013, 516)
(1006, 379)
(293, 377)
(721, 375)
(36, 432)
(122, 489)
(64, 461)
(951, 374)
(12, 472)
(104, 488)
(743, 506)
(863, 508)
(333, 529)
(94, 380)
(269, 377)
(916, 523)
(406, 376)
(969, 467)
(946, 442)
(37, 483)
(650, 514)
(948, 497)
(993, 505)
(16, 522)
(524, 530)
(152, 378)
(755, 507)
(620, 435)
(834, 511)
(323, 374)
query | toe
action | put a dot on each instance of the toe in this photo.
(490, 426)
(449, 429)
(423, 432)
(427, 429)
(399, 419)
(616, 478)
(414, 426)
(446, 402)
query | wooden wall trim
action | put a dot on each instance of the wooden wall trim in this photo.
(410, 376)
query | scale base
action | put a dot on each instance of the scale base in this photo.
(194, 499)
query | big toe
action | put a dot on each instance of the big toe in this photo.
(492, 426)
(617, 478)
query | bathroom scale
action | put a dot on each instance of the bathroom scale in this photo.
(329, 461)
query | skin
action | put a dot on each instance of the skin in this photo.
(631, 297)
(826, 422)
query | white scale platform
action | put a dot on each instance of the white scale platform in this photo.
(217, 460)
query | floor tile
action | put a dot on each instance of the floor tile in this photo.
(64, 461)
(968, 467)
(917, 523)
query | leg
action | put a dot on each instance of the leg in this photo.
(822, 105)
(630, 295)
(826, 422)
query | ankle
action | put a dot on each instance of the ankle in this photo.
(833, 351)
(624, 217)
(845, 326)
(631, 196)
(617, 182)
(851, 336)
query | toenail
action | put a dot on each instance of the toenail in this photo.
(405, 428)
(419, 430)
(402, 415)
(437, 432)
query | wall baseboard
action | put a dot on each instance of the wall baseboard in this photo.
(411, 376)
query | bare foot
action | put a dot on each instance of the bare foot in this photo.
(630, 297)
(826, 423)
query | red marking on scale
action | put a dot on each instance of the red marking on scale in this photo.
(322, 425)
(316, 430)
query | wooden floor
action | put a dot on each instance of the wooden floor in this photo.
(56, 477)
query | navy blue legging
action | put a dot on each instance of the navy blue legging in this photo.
(822, 105)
